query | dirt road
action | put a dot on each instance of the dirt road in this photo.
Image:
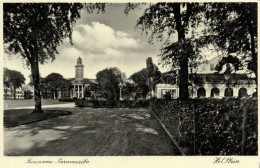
(91, 132)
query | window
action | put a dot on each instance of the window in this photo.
(201, 92)
(172, 92)
(214, 92)
(242, 93)
(228, 92)
(212, 68)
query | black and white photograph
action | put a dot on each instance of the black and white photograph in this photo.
(130, 79)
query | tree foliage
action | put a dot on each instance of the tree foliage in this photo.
(165, 21)
(153, 75)
(233, 26)
(13, 79)
(141, 79)
(170, 77)
(35, 30)
(128, 90)
(228, 60)
(54, 82)
(108, 81)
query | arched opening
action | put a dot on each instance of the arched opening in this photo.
(214, 92)
(242, 92)
(201, 92)
(228, 92)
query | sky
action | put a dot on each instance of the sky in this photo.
(101, 40)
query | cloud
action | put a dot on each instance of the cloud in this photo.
(70, 52)
(100, 46)
(98, 38)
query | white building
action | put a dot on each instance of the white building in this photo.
(79, 87)
(212, 84)
(9, 93)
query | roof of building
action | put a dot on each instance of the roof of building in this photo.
(85, 80)
(89, 81)
(207, 71)
(208, 67)
(221, 78)
(27, 87)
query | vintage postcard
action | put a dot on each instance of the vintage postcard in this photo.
(129, 84)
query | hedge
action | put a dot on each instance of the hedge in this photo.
(217, 128)
(66, 100)
(111, 103)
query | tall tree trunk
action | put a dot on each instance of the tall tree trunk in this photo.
(253, 33)
(183, 73)
(254, 56)
(36, 84)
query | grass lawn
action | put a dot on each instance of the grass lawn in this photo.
(25, 116)
(28, 102)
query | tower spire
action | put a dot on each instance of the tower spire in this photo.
(79, 61)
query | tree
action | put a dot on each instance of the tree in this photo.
(54, 82)
(227, 61)
(162, 21)
(128, 90)
(93, 87)
(169, 77)
(6, 75)
(108, 81)
(141, 78)
(153, 75)
(13, 79)
(6, 82)
(35, 30)
(233, 26)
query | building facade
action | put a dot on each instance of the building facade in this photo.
(23, 92)
(208, 83)
(79, 86)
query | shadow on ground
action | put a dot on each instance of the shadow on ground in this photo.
(17, 117)
(91, 132)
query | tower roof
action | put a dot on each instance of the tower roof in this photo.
(79, 61)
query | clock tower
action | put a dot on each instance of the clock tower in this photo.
(79, 75)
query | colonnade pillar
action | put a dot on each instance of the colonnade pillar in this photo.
(74, 91)
(82, 91)
(78, 91)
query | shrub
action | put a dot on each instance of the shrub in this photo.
(66, 100)
(112, 103)
(218, 124)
